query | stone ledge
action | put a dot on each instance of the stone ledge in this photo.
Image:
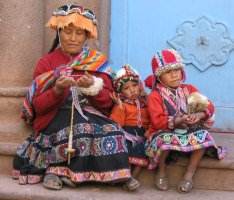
(8, 149)
(13, 91)
(210, 163)
(11, 190)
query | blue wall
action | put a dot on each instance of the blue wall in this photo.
(138, 30)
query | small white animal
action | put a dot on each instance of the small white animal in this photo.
(197, 102)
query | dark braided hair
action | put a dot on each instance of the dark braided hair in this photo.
(55, 43)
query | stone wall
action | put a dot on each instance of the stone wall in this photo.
(23, 39)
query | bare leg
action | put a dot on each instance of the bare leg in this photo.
(132, 184)
(186, 184)
(193, 163)
(162, 164)
(136, 171)
(161, 180)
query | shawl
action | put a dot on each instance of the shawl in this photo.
(88, 60)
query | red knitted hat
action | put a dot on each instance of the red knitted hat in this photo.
(125, 74)
(167, 59)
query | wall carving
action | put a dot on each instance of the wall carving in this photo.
(203, 43)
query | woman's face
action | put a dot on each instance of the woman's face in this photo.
(171, 78)
(72, 39)
(131, 90)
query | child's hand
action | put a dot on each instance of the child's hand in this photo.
(116, 99)
(195, 118)
(181, 121)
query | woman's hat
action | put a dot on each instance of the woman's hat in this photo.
(125, 74)
(74, 14)
(166, 60)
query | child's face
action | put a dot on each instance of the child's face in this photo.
(172, 78)
(131, 90)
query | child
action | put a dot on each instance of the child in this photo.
(172, 126)
(130, 112)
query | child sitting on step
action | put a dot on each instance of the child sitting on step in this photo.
(130, 112)
(173, 127)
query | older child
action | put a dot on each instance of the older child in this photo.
(172, 126)
(130, 112)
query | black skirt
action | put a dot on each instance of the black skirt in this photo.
(136, 151)
(100, 154)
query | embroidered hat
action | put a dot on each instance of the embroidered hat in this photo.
(125, 74)
(167, 59)
(74, 14)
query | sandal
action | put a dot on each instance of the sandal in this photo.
(68, 182)
(185, 186)
(52, 182)
(162, 183)
(132, 184)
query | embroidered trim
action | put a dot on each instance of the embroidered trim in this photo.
(142, 162)
(168, 67)
(90, 176)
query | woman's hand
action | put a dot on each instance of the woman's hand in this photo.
(63, 82)
(85, 81)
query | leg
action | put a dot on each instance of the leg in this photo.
(193, 163)
(161, 180)
(187, 183)
(136, 171)
(162, 164)
(132, 184)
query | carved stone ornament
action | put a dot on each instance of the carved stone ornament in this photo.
(203, 43)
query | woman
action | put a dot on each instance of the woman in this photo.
(73, 140)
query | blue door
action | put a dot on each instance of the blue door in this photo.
(202, 31)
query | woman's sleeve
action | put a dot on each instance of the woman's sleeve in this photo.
(47, 100)
(42, 66)
(103, 100)
(118, 114)
(158, 117)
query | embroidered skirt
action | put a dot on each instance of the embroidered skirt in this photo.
(136, 150)
(100, 154)
(187, 141)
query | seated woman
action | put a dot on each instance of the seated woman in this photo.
(73, 140)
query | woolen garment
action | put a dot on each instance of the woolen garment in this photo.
(47, 103)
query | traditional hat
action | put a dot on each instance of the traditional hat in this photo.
(166, 60)
(125, 74)
(76, 15)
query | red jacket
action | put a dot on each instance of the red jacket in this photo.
(47, 104)
(158, 116)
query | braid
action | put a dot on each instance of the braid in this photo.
(55, 43)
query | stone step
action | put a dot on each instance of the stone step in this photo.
(211, 174)
(11, 190)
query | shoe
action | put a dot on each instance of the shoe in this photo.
(132, 184)
(53, 182)
(185, 186)
(162, 183)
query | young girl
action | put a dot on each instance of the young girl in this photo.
(172, 127)
(130, 112)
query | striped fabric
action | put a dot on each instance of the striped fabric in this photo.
(88, 60)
